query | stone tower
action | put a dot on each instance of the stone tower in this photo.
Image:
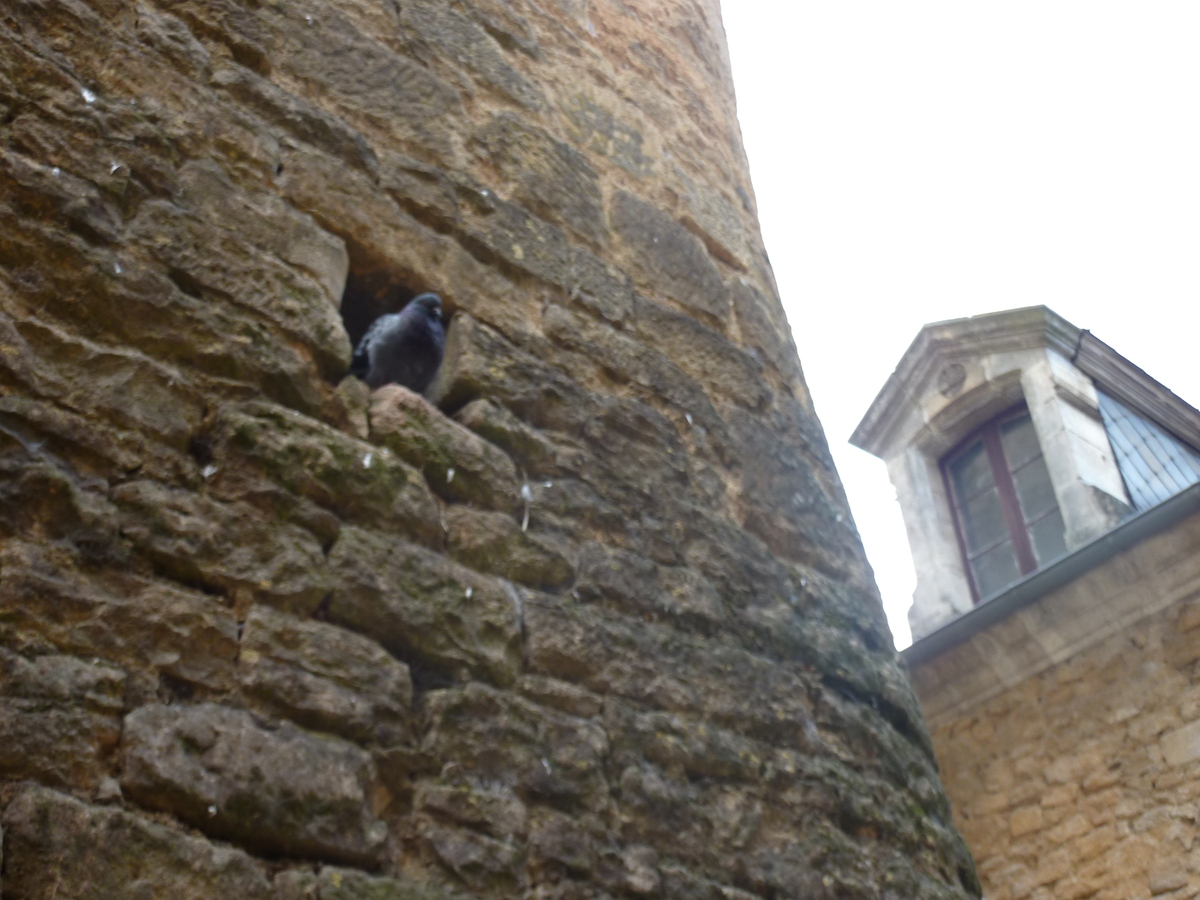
(590, 621)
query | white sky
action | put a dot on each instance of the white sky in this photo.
(920, 161)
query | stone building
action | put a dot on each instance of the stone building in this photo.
(590, 620)
(1051, 492)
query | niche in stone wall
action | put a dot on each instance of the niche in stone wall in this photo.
(372, 289)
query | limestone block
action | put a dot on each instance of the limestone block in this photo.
(558, 843)
(525, 242)
(481, 862)
(335, 883)
(425, 608)
(545, 175)
(727, 372)
(494, 542)
(496, 425)
(57, 847)
(458, 464)
(1182, 745)
(298, 117)
(280, 792)
(324, 677)
(296, 305)
(270, 224)
(457, 37)
(669, 257)
(561, 695)
(221, 546)
(148, 627)
(1167, 875)
(355, 479)
(548, 757)
(124, 386)
(480, 362)
(59, 718)
(489, 806)
(643, 587)
(700, 750)
(603, 132)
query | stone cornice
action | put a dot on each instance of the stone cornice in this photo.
(941, 342)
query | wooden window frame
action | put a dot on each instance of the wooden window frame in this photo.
(1006, 491)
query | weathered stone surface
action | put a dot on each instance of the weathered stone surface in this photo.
(458, 464)
(547, 176)
(59, 718)
(148, 627)
(445, 32)
(280, 792)
(545, 756)
(124, 385)
(223, 547)
(667, 256)
(601, 132)
(57, 847)
(425, 608)
(324, 677)
(498, 426)
(594, 621)
(494, 542)
(334, 883)
(354, 479)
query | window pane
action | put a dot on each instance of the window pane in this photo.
(983, 521)
(1034, 491)
(1047, 537)
(971, 473)
(995, 569)
(1019, 441)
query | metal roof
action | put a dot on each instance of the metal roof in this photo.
(1154, 464)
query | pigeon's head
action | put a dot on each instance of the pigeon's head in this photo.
(431, 304)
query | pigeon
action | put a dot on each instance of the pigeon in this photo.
(404, 347)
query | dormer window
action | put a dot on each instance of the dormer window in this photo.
(1008, 519)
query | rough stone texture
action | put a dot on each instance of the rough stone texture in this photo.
(282, 791)
(57, 847)
(1072, 757)
(325, 678)
(589, 620)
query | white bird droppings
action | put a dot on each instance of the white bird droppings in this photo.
(308, 19)
(56, 171)
(449, 475)
(470, 591)
(547, 484)
(113, 168)
(88, 96)
(688, 416)
(526, 493)
(212, 810)
(117, 268)
(209, 471)
(367, 460)
(546, 764)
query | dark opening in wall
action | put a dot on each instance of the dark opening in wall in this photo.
(371, 291)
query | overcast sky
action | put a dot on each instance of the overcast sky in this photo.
(921, 161)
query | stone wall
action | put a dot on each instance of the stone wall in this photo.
(1069, 733)
(593, 623)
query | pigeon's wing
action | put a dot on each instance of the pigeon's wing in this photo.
(360, 363)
